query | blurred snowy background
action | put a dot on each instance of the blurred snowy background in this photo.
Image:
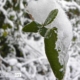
(22, 54)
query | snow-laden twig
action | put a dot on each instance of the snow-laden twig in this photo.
(69, 5)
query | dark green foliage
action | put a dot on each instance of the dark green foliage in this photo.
(18, 52)
(5, 26)
(75, 11)
(16, 7)
(7, 5)
(4, 50)
(2, 18)
(52, 53)
(42, 31)
(31, 27)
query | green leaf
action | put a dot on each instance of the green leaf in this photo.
(2, 18)
(5, 33)
(42, 31)
(31, 27)
(4, 50)
(51, 17)
(52, 53)
(11, 17)
(6, 25)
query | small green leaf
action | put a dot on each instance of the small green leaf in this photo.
(5, 33)
(51, 17)
(42, 31)
(31, 27)
(11, 17)
(6, 25)
(2, 18)
(52, 53)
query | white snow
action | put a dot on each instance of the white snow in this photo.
(12, 62)
(33, 51)
(40, 10)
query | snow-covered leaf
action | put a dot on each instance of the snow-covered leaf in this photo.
(52, 15)
(52, 53)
